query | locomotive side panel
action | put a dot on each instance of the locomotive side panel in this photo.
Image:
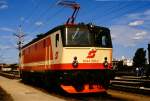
(56, 42)
(34, 56)
(41, 55)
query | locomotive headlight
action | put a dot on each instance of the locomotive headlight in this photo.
(105, 63)
(75, 62)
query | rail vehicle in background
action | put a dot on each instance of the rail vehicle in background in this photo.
(75, 57)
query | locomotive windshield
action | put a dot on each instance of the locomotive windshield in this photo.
(77, 36)
(83, 36)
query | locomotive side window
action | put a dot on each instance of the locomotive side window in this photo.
(105, 41)
(102, 39)
(57, 39)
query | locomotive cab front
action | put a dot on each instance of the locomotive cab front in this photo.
(86, 59)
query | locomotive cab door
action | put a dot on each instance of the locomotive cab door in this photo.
(57, 46)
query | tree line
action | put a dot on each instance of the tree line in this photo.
(139, 61)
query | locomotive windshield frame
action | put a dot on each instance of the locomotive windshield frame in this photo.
(77, 36)
(84, 36)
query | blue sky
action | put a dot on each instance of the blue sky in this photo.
(128, 20)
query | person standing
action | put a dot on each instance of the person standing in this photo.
(137, 71)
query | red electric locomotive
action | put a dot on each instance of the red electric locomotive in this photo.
(75, 57)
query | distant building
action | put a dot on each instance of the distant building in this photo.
(128, 62)
(8, 67)
(2, 65)
(123, 60)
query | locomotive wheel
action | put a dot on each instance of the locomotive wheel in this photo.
(25, 77)
(78, 87)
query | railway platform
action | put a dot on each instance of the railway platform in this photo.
(24, 92)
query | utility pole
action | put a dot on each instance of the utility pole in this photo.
(149, 53)
(148, 70)
(20, 39)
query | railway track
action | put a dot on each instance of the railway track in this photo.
(125, 83)
(10, 75)
(30, 91)
(140, 85)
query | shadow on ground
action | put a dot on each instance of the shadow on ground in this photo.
(4, 96)
(75, 97)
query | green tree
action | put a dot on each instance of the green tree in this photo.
(139, 59)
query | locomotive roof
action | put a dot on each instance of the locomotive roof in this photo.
(41, 36)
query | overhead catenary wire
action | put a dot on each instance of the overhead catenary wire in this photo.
(52, 17)
(109, 11)
(49, 21)
(116, 13)
(42, 15)
(31, 13)
(92, 10)
(132, 9)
